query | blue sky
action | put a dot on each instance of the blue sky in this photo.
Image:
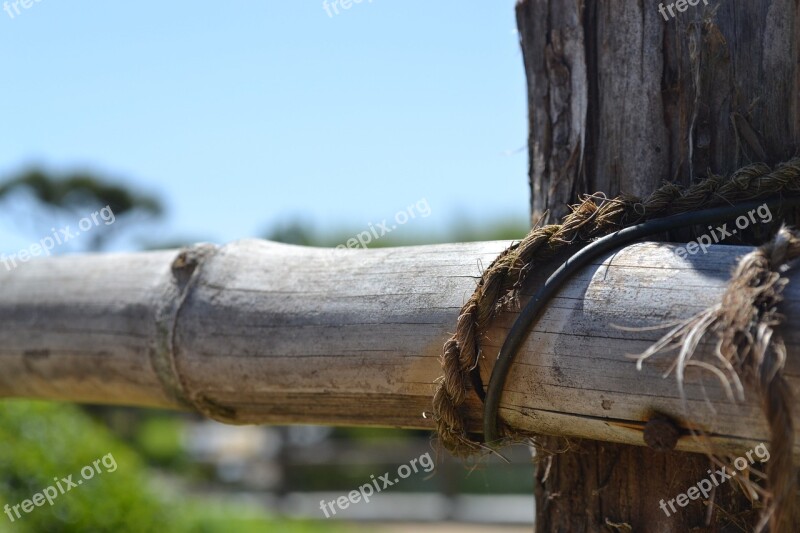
(244, 114)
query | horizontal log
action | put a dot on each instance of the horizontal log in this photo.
(259, 332)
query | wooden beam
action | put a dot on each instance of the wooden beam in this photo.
(259, 332)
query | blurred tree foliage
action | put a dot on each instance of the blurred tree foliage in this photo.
(80, 190)
(79, 194)
(43, 441)
(304, 234)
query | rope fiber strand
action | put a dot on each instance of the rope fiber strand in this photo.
(748, 345)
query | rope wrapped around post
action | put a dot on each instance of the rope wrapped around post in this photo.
(593, 218)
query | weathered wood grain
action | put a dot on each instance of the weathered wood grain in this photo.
(259, 332)
(621, 100)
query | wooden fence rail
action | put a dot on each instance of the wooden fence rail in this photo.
(259, 332)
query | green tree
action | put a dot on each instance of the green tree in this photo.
(76, 195)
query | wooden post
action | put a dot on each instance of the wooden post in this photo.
(623, 97)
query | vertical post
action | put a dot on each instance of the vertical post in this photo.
(622, 97)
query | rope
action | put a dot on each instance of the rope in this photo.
(744, 322)
(581, 259)
(596, 216)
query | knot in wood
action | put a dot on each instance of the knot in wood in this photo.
(661, 434)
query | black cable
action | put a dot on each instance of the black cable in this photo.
(522, 326)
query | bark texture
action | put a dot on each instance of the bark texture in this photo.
(622, 100)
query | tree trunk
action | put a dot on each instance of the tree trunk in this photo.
(621, 100)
